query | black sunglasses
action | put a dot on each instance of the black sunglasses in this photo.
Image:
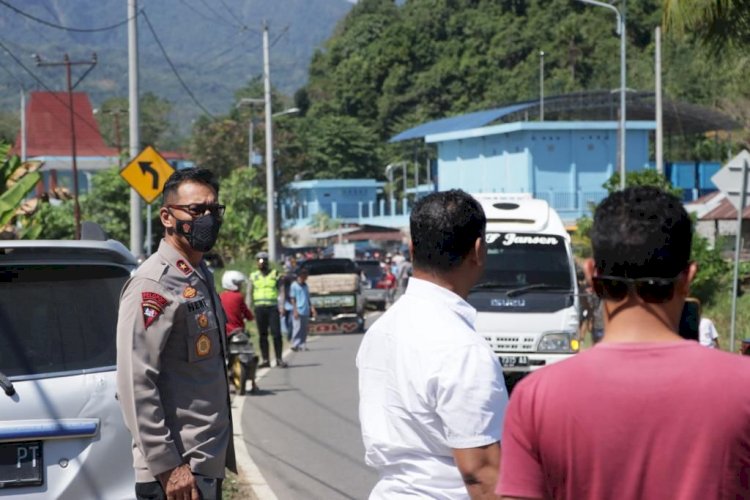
(652, 290)
(198, 209)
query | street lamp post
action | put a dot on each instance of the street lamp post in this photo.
(270, 190)
(620, 31)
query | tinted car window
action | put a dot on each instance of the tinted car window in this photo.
(330, 266)
(371, 269)
(44, 331)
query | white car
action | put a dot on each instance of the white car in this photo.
(61, 431)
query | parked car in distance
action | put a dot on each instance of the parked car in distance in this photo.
(375, 288)
(62, 435)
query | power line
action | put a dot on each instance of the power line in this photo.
(202, 15)
(217, 64)
(237, 18)
(59, 26)
(278, 37)
(208, 6)
(172, 66)
(84, 119)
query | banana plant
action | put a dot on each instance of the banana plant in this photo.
(17, 179)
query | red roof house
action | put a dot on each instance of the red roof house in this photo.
(48, 134)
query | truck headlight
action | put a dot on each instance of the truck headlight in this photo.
(558, 342)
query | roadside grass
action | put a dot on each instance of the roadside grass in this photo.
(234, 489)
(720, 310)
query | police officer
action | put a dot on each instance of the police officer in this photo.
(263, 293)
(171, 376)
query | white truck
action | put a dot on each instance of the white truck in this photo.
(527, 300)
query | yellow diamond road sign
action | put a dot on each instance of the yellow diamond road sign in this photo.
(147, 174)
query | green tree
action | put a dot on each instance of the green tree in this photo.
(645, 177)
(719, 22)
(243, 232)
(17, 179)
(155, 128)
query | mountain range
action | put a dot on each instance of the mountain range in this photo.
(214, 45)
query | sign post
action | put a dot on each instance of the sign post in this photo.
(732, 180)
(147, 173)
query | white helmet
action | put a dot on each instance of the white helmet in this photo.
(232, 280)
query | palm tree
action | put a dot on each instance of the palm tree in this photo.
(720, 23)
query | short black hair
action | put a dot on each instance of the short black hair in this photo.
(444, 227)
(193, 174)
(641, 232)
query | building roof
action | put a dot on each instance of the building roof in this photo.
(335, 183)
(725, 211)
(679, 117)
(48, 127)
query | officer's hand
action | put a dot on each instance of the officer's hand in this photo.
(179, 483)
(296, 314)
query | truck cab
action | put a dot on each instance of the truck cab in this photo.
(527, 299)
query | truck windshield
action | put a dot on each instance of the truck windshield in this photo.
(516, 260)
(44, 331)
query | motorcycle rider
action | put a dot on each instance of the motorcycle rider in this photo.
(237, 312)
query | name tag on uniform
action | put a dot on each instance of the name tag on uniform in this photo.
(196, 305)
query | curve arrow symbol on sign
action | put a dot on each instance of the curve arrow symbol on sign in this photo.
(147, 168)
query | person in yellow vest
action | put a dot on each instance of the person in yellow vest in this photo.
(263, 295)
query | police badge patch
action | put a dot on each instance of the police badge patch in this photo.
(203, 346)
(184, 267)
(153, 306)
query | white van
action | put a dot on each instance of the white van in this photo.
(527, 300)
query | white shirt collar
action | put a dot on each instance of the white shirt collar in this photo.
(427, 290)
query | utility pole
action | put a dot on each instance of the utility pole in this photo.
(659, 117)
(136, 224)
(118, 137)
(23, 125)
(541, 85)
(270, 190)
(71, 112)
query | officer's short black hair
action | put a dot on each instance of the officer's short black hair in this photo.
(193, 174)
(444, 228)
(641, 232)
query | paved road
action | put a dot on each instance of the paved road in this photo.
(303, 430)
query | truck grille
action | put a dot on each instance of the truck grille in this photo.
(511, 344)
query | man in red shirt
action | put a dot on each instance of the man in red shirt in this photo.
(644, 413)
(237, 312)
(233, 301)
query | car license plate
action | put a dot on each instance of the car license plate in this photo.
(21, 464)
(513, 361)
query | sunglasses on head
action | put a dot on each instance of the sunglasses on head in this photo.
(198, 209)
(652, 290)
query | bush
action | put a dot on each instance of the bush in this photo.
(713, 270)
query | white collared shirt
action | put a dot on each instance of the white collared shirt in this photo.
(428, 383)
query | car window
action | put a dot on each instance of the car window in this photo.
(371, 269)
(44, 331)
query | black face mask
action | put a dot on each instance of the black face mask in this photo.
(200, 232)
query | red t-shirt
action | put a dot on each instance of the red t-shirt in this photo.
(235, 310)
(641, 421)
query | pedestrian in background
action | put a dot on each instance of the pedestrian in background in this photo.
(263, 294)
(302, 310)
(171, 377)
(638, 415)
(431, 391)
(707, 334)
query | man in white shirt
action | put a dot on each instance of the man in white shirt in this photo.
(432, 395)
(707, 334)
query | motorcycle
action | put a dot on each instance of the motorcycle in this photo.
(242, 362)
